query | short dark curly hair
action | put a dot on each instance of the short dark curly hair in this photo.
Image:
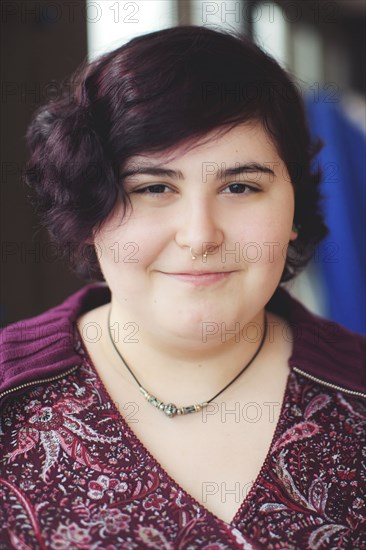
(153, 93)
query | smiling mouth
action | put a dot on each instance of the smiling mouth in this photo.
(200, 277)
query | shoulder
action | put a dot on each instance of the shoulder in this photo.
(42, 346)
(322, 349)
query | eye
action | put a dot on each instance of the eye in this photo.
(240, 189)
(155, 189)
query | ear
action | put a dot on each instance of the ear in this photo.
(294, 233)
(90, 240)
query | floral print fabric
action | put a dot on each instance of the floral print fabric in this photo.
(74, 476)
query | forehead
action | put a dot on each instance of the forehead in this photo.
(247, 139)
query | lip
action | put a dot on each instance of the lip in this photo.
(200, 278)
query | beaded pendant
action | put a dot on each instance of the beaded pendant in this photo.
(170, 409)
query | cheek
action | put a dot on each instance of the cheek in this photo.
(125, 253)
(263, 238)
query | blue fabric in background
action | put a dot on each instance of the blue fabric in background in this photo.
(341, 257)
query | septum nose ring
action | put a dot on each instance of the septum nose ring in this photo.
(193, 254)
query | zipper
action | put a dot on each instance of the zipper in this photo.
(69, 371)
(40, 381)
(329, 384)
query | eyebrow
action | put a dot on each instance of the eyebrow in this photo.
(249, 168)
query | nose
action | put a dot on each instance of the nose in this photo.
(199, 228)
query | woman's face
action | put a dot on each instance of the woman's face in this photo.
(229, 195)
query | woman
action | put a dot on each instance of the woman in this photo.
(188, 401)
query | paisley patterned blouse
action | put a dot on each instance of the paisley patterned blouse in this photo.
(73, 476)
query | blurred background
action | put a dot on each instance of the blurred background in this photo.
(321, 43)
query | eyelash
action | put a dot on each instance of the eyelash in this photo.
(143, 190)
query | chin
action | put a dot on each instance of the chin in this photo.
(194, 324)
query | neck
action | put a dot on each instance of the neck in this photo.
(183, 372)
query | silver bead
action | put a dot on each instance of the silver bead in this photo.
(170, 410)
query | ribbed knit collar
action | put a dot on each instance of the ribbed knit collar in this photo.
(43, 346)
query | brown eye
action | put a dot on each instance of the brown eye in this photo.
(240, 189)
(156, 189)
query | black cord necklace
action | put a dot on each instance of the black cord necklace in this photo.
(170, 409)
